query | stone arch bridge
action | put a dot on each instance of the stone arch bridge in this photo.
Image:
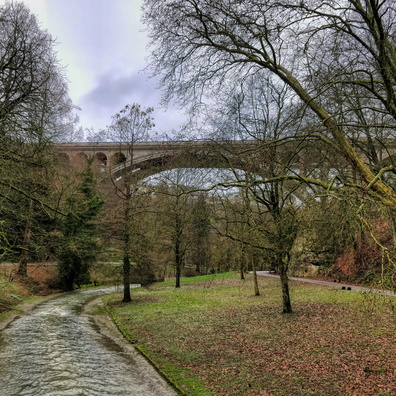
(147, 158)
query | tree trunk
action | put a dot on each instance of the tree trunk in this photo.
(198, 267)
(126, 267)
(393, 225)
(384, 193)
(178, 263)
(178, 276)
(22, 268)
(283, 268)
(255, 280)
(242, 264)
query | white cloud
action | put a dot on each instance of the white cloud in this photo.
(102, 45)
(113, 90)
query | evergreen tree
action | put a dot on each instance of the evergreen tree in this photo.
(79, 240)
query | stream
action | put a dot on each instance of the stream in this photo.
(58, 350)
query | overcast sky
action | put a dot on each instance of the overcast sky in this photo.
(102, 45)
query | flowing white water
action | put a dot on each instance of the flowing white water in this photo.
(57, 351)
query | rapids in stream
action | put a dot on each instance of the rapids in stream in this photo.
(56, 350)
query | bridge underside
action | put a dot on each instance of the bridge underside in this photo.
(149, 167)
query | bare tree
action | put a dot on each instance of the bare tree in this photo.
(35, 110)
(201, 47)
(266, 173)
(176, 217)
(130, 126)
(200, 234)
(33, 90)
(177, 221)
(266, 217)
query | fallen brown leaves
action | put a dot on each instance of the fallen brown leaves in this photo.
(325, 348)
(14, 288)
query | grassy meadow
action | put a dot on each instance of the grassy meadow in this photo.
(214, 337)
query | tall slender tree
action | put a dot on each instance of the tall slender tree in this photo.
(200, 234)
(176, 220)
(130, 126)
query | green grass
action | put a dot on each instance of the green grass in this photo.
(213, 336)
(203, 278)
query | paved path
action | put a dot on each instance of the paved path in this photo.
(336, 285)
(59, 350)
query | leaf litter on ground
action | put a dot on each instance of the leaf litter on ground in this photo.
(238, 344)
